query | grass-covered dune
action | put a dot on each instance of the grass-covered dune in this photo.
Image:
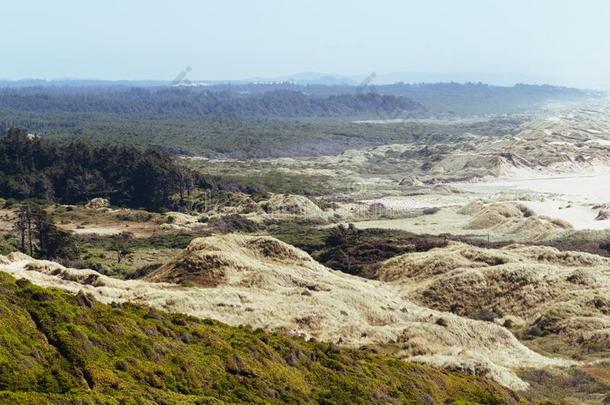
(60, 348)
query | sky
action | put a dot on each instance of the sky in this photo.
(558, 42)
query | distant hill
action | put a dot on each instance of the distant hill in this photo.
(265, 119)
(281, 99)
(451, 98)
(200, 102)
(304, 79)
(307, 78)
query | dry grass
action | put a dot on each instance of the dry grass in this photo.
(265, 283)
(511, 218)
(547, 291)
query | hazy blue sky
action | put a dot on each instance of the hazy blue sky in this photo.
(559, 41)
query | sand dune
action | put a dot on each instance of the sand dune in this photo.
(265, 283)
(561, 293)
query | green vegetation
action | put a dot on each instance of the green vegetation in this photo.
(278, 182)
(122, 256)
(359, 251)
(60, 348)
(590, 241)
(253, 121)
(200, 102)
(307, 238)
(242, 137)
(8, 244)
(575, 385)
(125, 256)
(481, 99)
(443, 98)
(31, 167)
(284, 99)
(38, 235)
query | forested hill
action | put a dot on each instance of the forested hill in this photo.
(439, 98)
(200, 102)
(282, 99)
(31, 167)
(260, 120)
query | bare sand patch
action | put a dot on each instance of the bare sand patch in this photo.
(569, 198)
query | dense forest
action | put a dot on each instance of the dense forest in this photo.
(243, 138)
(267, 120)
(31, 167)
(200, 102)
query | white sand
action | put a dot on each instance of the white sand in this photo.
(582, 188)
(407, 203)
(568, 197)
(602, 142)
(580, 217)
(447, 220)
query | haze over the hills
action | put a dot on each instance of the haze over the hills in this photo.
(475, 40)
(304, 79)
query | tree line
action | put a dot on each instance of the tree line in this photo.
(38, 236)
(200, 102)
(31, 167)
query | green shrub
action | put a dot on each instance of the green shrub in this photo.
(60, 348)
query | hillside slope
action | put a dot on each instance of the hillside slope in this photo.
(62, 348)
(541, 290)
(265, 283)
